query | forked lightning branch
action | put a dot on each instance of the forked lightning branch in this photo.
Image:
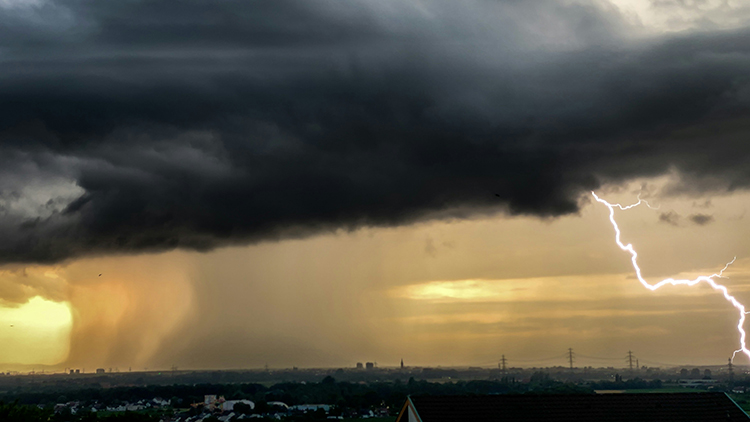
(676, 282)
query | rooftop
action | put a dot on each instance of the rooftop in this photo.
(645, 407)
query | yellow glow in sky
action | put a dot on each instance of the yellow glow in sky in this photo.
(458, 292)
(37, 332)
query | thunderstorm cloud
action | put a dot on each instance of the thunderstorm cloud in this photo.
(141, 125)
(671, 218)
(701, 219)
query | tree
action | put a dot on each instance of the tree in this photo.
(242, 408)
(15, 412)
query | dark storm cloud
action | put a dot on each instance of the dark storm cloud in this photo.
(210, 123)
(701, 219)
(671, 218)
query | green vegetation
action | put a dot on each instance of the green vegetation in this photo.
(50, 403)
(665, 390)
(14, 412)
(329, 391)
(347, 398)
(742, 401)
(631, 384)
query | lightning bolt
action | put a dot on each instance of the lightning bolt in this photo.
(706, 279)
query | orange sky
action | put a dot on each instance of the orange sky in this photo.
(460, 292)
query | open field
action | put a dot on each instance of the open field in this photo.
(665, 390)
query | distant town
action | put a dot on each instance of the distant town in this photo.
(363, 391)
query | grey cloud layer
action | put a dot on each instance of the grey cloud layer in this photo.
(226, 122)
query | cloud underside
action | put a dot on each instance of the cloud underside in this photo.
(135, 126)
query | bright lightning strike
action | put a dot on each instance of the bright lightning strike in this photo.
(707, 279)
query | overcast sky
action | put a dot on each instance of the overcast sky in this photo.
(325, 161)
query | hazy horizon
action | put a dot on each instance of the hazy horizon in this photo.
(494, 296)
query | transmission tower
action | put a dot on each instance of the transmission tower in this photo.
(570, 357)
(730, 369)
(502, 364)
(630, 360)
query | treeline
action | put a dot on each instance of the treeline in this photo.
(328, 391)
(35, 406)
(630, 384)
(14, 412)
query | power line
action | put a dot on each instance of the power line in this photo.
(494, 362)
(542, 359)
(595, 357)
(651, 362)
(631, 360)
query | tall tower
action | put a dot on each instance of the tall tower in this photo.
(570, 357)
(502, 363)
(730, 368)
(630, 360)
(402, 363)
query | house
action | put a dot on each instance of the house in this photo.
(310, 407)
(644, 407)
(228, 405)
(692, 383)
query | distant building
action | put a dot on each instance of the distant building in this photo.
(694, 383)
(637, 407)
(369, 366)
(359, 365)
(310, 407)
(402, 363)
(707, 373)
(100, 371)
(228, 405)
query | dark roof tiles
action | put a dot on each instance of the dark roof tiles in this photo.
(662, 407)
